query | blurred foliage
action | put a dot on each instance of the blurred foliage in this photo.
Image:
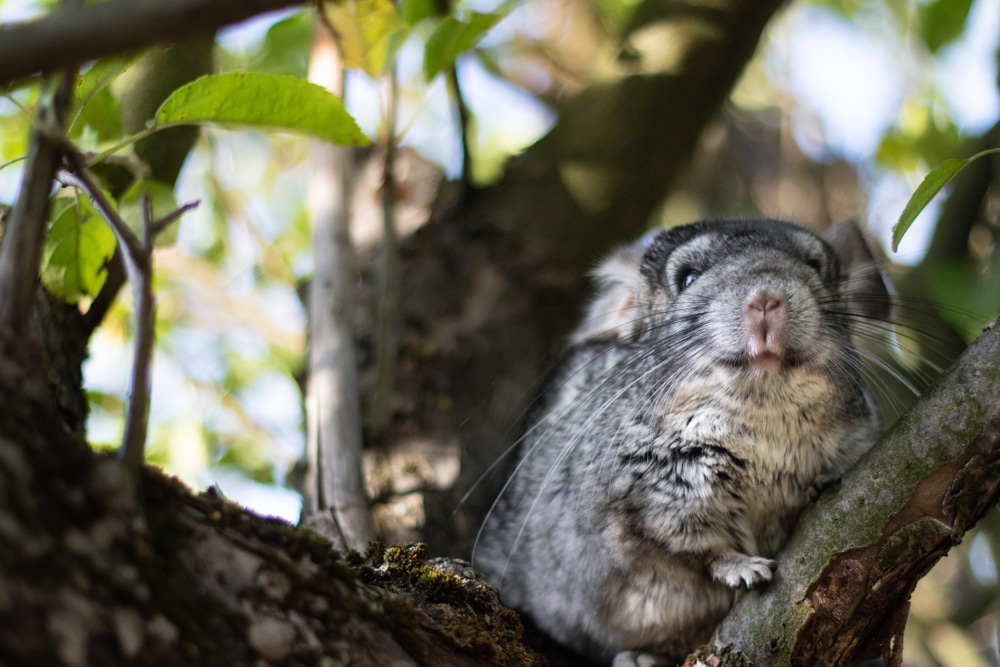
(230, 327)
(77, 248)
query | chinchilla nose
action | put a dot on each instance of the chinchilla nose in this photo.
(766, 326)
(764, 304)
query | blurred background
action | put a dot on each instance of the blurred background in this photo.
(845, 107)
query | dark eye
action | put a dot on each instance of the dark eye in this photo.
(815, 264)
(686, 278)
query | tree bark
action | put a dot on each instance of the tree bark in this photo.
(335, 502)
(845, 578)
(101, 568)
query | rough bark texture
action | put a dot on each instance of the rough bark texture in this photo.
(98, 568)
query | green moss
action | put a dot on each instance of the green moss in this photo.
(974, 419)
(466, 610)
(911, 542)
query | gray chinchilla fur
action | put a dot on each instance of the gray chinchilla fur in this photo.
(712, 384)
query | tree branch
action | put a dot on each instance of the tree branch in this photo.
(138, 260)
(335, 491)
(74, 36)
(612, 157)
(20, 253)
(925, 483)
(464, 125)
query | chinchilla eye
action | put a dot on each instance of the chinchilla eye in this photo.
(815, 264)
(686, 278)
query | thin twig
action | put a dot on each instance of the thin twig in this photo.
(137, 414)
(138, 259)
(160, 225)
(6, 164)
(79, 177)
(463, 123)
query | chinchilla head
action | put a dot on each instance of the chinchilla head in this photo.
(759, 295)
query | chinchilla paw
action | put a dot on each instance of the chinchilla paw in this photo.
(739, 570)
(639, 659)
(821, 484)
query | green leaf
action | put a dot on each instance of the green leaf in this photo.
(286, 46)
(265, 101)
(452, 37)
(14, 132)
(943, 21)
(96, 114)
(101, 118)
(365, 29)
(928, 188)
(969, 296)
(77, 250)
(414, 11)
(163, 202)
(99, 77)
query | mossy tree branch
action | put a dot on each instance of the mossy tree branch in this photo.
(844, 580)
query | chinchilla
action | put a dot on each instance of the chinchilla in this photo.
(712, 385)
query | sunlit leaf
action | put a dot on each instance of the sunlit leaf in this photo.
(102, 117)
(452, 37)
(99, 77)
(928, 188)
(14, 131)
(265, 101)
(77, 250)
(365, 29)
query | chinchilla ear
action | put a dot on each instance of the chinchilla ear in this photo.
(864, 288)
(613, 312)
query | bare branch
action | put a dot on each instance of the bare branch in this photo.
(335, 492)
(161, 225)
(76, 35)
(79, 178)
(138, 260)
(21, 250)
(464, 126)
(137, 415)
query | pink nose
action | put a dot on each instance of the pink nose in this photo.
(763, 304)
(765, 318)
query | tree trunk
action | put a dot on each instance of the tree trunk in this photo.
(100, 568)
